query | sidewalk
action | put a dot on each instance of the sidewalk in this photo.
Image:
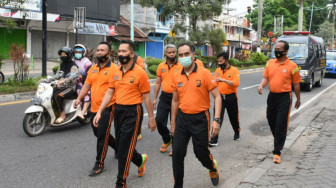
(36, 68)
(309, 160)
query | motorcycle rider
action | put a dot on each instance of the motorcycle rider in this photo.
(67, 80)
(84, 64)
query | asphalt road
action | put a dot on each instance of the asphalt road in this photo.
(62, 157)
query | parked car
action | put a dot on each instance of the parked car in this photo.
(331, 63)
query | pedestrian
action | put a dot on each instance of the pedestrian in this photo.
(165, 74)
(130, 84)
(84, 65)
(227, 78)
(97, 80)
(190, 116)
(281, 74)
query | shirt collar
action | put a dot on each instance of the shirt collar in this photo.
(133, 64)
(287, 59)
(107, 65)
(194, 70)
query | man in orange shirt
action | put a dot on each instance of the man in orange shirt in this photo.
(98, 80)
(190, 115)
(165, 74)
(197, 61)
(281, 74)
(130, 84)
(139, 61)
(228, 79)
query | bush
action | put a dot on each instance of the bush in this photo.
(54, 69)
(153, 61)
(208, 61)
(152, 69)
(259, 58)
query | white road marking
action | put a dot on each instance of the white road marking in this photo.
(250, 87)
(311, 100)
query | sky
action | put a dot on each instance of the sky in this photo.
(240, 6)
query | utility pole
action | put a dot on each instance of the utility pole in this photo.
(300, 16)
(260, 16)
(311, 17)
(333, 18)
(44, 38)
(132, 20)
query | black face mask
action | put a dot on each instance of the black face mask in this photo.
(171, 59)
(124, 59)
(222, 66)
(102, 59)
(279, 54)
(64, 58)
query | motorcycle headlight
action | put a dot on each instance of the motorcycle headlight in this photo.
(40, 89)
(334, 65)
(304, 73)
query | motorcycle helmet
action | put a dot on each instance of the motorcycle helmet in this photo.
(79, 51)
(67, 50)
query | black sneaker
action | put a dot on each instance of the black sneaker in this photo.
(236, 136)
(213, 142)
(96, 170)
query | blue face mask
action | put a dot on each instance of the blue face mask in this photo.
(78, 56)
(185, 61)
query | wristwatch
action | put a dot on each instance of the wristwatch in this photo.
(218, 120)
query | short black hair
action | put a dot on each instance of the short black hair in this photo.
(130, 43)
(186, 44)
(286, 45)
(225, 55)
(106, 43)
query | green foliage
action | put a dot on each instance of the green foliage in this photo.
(54, 69)
(11, 86)
(216, 38)
(259, 58)
(152, 69)
(153, 61)
(325, 32)
(208, 61)
(290, 10)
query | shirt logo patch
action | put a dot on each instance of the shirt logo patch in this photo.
(180, 84)
(198, 83)
(229, 75)
(116, 77)
(94, 71)
(105, 73)
(132, 79)
(176, 69)
(284, 70)
(163, 70)
(218, 74)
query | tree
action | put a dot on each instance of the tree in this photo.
(325, 32)
(13, 5)
(194, 9)
(217, 38)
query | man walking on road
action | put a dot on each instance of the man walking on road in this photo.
(190, 115)
(98, 80)
(228, 80)
(165, 74)
(280, 73)
(130, 83)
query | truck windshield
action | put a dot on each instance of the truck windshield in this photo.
(331, 56)
(297, 51)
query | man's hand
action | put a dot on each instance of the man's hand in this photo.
(154, 104)
(79, 76)
(59, 83)
(260, 88)
(215, 128)
(96, 120)
(297, 104)
(172, 128)
(76, 103)
(218, 79)
(152, 124)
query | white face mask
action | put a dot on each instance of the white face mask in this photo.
(185, 61)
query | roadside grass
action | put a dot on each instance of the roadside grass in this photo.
(10, 86)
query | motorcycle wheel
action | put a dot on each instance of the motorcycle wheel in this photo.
(31, 127)
(2, 77)
(84, 121)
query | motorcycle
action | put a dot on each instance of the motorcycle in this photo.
(41, 114)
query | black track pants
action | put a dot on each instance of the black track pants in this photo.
(102, 132)
(278, 110)
(127, 119)
(162, 115)
(197, 127)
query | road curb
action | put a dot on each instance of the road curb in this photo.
(17, 96)
(303, 121)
